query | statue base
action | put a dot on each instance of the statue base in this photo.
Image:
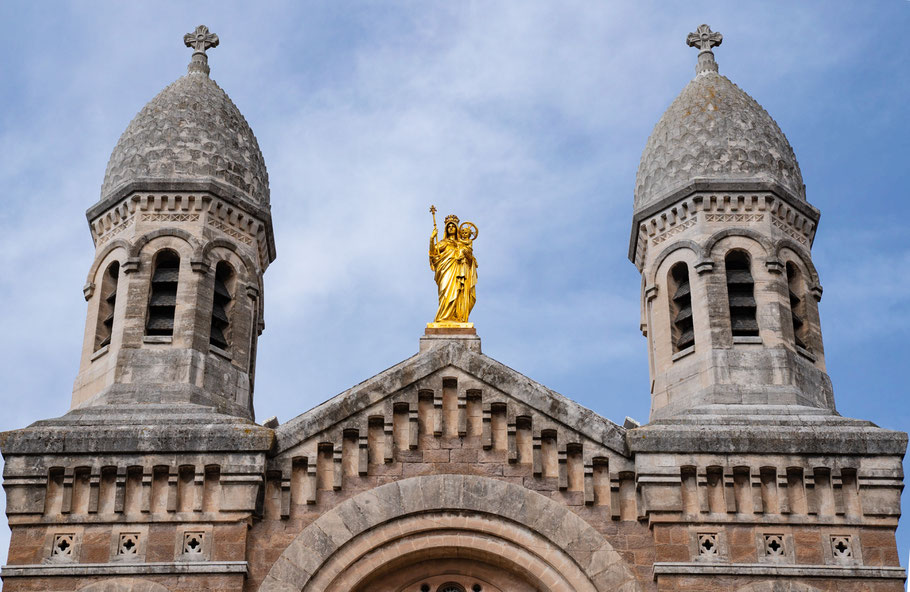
(439, 334)
(451, 328)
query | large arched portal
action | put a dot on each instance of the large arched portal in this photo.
(449, 533)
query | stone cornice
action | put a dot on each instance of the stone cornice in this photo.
(122, 569)
(198, 432)
(230, 195)
(752, 437)
(705, 186)
(788, 571)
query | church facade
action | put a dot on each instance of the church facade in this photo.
(451, 472)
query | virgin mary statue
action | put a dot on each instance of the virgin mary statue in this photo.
(452, 259)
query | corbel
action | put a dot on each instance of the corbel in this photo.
(650, 293)
(198, 489)
(413, 427)
(285, 493)
(774, 266)
(94, 485)
(589, 482)
(755, 492)
(87, 290)
(363, 453)
(704, 266)
(512, 428)
(388, 442)
(537, 461)
(437, 413)
(337, 468)
(462, 414)
(486, 435)
(729, 490)
(615, 501)
(311, 480)
(200, 265)
(130, 265)
(172, 485)
(68, 484)
(562, 468)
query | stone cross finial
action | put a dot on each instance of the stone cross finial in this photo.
(704, 39)
(200, 40)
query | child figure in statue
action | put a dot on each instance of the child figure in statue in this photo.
(467, 270)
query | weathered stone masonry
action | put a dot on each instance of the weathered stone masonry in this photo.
(451, 472)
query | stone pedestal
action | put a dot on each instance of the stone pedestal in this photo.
(438, 336)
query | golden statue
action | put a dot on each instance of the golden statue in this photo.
(452, 258)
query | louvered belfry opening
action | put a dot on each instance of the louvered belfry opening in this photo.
(220, 334)
(105, 327)
(797, 306)
(741, 295)
(163, 299)
(683, 333)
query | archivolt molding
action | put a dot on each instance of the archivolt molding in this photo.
(484, 511)
(99, 258)
(758, 237)
(249, 273)
(692, 246)
(192, 241)
(800, 251)
(441, 535)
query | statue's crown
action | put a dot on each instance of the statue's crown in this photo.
(451, 218)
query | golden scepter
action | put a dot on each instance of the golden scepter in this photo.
(433, 213)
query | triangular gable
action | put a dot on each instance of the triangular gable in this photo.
(448, 410)
(412, 373)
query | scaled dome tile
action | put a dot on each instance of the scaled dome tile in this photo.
(714, 130)
(190, 131)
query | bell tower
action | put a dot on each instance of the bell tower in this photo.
(155, 472)
(722, 234)
(182, 235)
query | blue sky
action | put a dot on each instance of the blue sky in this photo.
(528, 118)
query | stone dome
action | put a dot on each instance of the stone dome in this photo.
(714, 131)
(191, 131)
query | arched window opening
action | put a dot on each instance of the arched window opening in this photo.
(741, 295)
(797, 306)
(163, 298)
(683, 330)
(220, 335)
(105, 325)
